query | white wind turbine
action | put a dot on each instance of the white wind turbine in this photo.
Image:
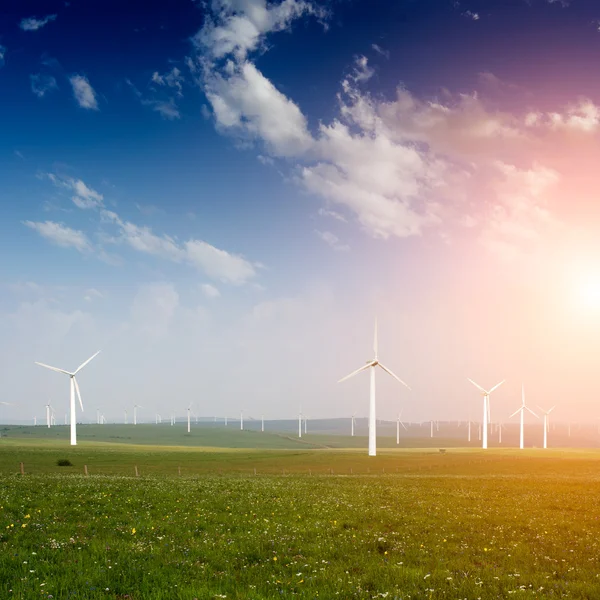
(546, 426)
(371, 364)
(242, 420)
(300, 424)
(486, 409)
(353, 418)
(135, 407)
(262, 423)
(48, 407)
(189, 412)
(522, 410)
(398, 423)
(74, 388)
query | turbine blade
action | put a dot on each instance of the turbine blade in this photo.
(551, 409)
(85, 363)
(78, 392)
(394, 376)
(478, 386)
(496, 386)
(527, 407)
(403, 425)
(516, 412)
(54, 368)
(367, 366)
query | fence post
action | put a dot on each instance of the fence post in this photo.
(136, 471)
(85, 469)
(255, 470)
(179, 471)
(22, 469)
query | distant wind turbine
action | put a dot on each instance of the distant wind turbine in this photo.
(48, 422)
(522, 410)
(242, 421)
(74, 388)
(398, 423)
(135, 407)
(353, 417)
(189, 411)
(486, 408)
(300, 424)
(262, 422)
(371, 364)
(546, 427)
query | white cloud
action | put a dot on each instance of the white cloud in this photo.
(84, 93)
(92, 294)
(173, 79)
(165, 108)
(85, 197)
(2, 55)
(214, 262)
(471, 15)
(238, 27)
(219, 264)
(332, 241)
(362, 71)
(324, 212)
(33, 23)
(380, 50)
(42, 84)
(245, 102)
(210, 291)
(61, 235)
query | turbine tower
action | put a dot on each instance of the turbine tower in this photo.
(522, 410)
(486, 409)
(300, 424)
(74, 388)
(48, 407)
(353, 416)
(135, 407)
(546, 427)
(398, 423)
(371, 364)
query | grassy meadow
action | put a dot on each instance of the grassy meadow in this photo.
(311, 523)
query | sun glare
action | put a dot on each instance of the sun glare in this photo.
(589, 292)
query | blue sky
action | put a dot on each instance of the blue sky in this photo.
(223, 195)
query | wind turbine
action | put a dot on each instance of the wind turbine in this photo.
(353, 417)
(300, 424)
(48, 407)
(262, 422)
(371, 364)
(546, 427)
(242, 421)
(398, 423)
(486, 409)
(189, 410)
(135, 407)
(522, 410)
(74, 388)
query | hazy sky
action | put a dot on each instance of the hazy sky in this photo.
(221, 196)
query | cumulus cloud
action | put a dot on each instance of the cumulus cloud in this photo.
(239, 27)
(33, 23)
(84, 93)
(173, 79)
(61, 235)
(42, 84)
(2, 55)
(246, 103)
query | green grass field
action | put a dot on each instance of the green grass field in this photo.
(312, 523)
